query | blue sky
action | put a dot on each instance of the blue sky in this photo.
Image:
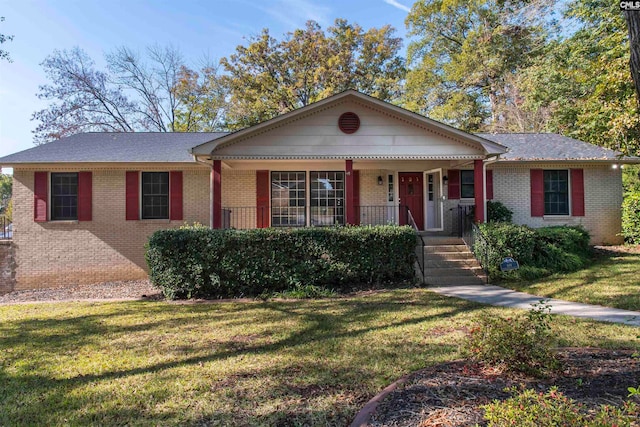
(201, 29)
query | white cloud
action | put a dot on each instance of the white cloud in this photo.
(398, 5)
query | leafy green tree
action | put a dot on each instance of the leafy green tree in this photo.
(203, 97)
(6, 188)
(269, 77)
(464, 53)
(584, 80)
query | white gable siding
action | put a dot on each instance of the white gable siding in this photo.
(380, 134)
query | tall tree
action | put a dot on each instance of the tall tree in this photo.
(633, 24)
(134, 93)
(203, 97)
(3, 39)
(584, 79)
(465, 53)
(153, 83)
(83, 99)
(270, 77)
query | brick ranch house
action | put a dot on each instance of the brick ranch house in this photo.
(85, 205)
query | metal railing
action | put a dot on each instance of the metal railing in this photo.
(420, 243)
(247, 217)
(243, 218)
(6, 228)
(474, 238)
(380, 215)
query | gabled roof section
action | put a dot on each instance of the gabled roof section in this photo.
(531, 147)
(114, 147)
(476, 145)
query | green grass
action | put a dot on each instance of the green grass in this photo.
(299, 362)
(612, 280)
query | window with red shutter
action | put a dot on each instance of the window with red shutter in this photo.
(132, 195)
(537, 192)
(175, 196)
(453, 184)
(262, 198)
(40, 196)
(489, 185)
(85, 183)
(577, 192)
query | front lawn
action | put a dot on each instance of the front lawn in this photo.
(612, 279)
(257, 363)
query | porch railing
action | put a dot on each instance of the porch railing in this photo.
(6, 228)
(420, 243)
(474, 238)
(246, 217)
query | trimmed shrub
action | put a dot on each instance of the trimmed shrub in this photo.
(522, 343)
(540, 251)
(497, 212)
(631, 218)
(197, 262)
(529, 408)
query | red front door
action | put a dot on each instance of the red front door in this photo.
(410, 189)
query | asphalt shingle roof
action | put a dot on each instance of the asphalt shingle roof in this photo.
(116, 147)
(174, 147)
(548, 146)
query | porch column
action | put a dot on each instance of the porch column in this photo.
(478, 189)
(216, 186)
(349, 184)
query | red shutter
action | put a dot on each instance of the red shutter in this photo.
(454, 184)
(175, 195)
(577, 192)
(262, 199)
(489, 185)
(132, 199)
(40, 196)
(537, 192)
(84, 196)
(356, 196)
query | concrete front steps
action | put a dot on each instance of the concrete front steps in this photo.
(448, 261)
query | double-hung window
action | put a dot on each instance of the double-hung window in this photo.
(556, 192)
(64, 196)
(466, 184)
(155, 195)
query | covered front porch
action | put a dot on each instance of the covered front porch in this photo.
(348, 159)
(424, 194)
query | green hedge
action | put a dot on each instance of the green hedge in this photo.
(631, 218)
(539, 252)
(498, 212)
(197, 262)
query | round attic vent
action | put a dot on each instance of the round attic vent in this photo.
(349, 123)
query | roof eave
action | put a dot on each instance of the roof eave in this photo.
(624, 160)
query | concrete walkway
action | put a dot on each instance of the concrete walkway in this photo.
(495, 295)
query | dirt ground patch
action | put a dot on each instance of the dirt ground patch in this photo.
(451, 394)
(120, 290)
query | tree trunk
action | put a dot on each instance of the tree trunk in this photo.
(633, 23)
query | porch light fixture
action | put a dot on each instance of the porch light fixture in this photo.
(614, 166)
(445, 179)
(380, 181)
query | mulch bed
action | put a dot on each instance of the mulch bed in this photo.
(451, 394)
(120, 290)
